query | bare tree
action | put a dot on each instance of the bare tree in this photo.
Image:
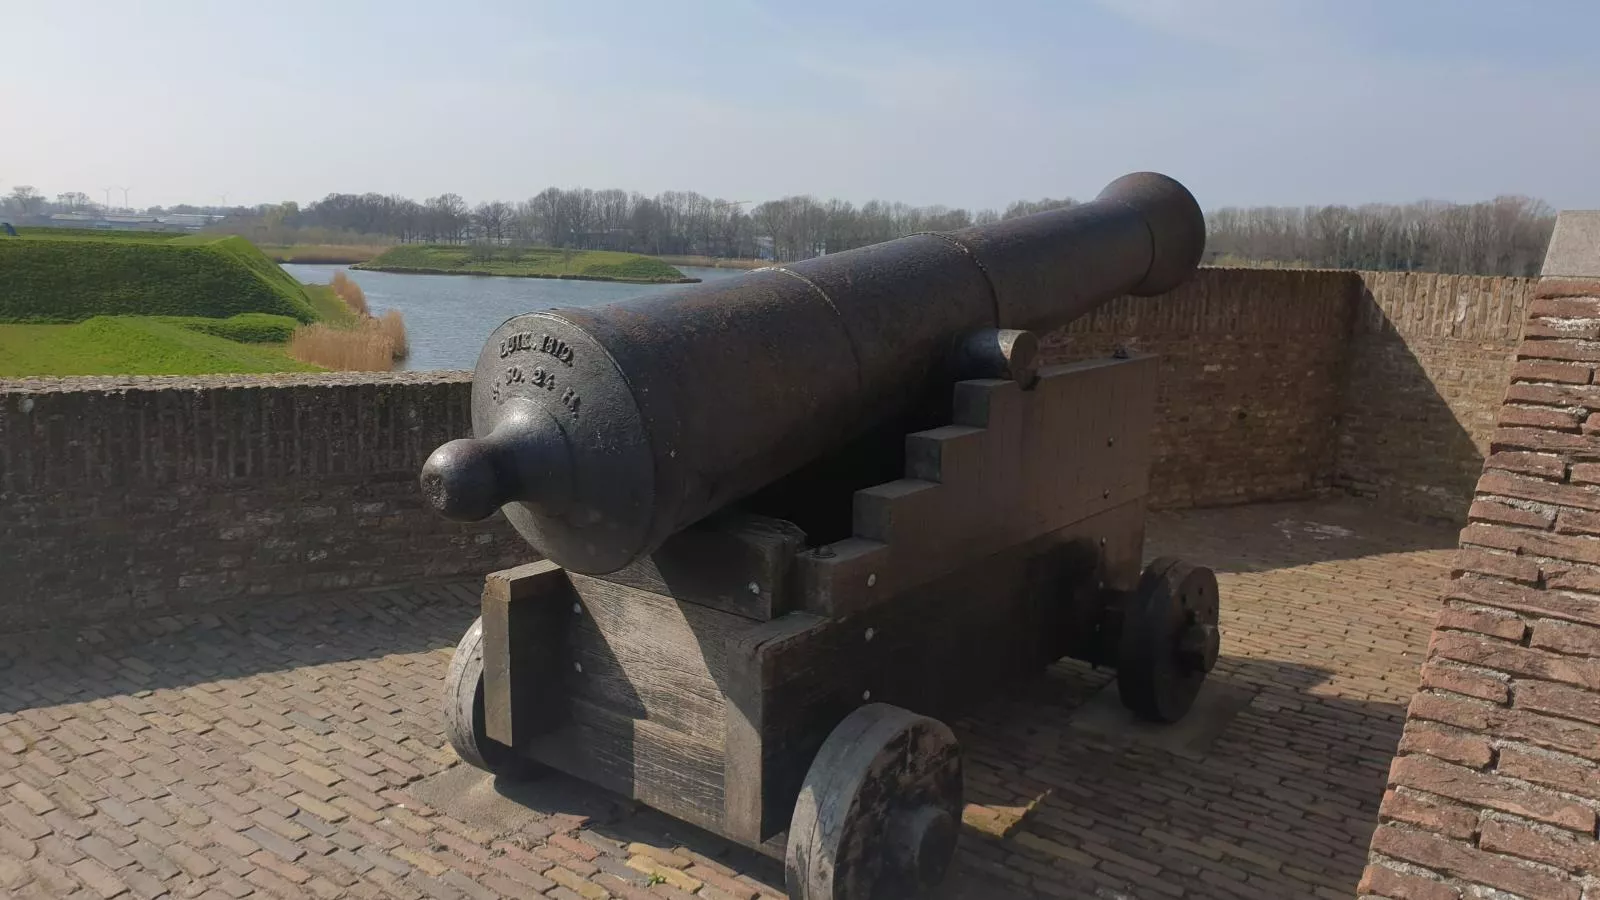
(493, 220)
(447, 218)
(25, 199)
(74, 200)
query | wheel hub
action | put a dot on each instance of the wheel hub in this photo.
(1198, 647)
(1169, 639)
(922, 841)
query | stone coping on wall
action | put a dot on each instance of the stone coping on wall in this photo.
(116, 383)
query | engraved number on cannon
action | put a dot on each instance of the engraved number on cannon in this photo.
(538, 378)
(523, 341)
(556, 347)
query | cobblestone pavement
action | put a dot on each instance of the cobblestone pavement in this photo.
(280, 750)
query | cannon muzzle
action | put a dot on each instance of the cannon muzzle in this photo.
(600, 431)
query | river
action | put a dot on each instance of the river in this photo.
(448, 317)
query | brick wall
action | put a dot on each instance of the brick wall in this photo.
(1251, 366)
(1496, 787)
(1284, 383)
(1429, 360)
(161, 493)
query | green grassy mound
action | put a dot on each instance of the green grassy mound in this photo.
(46, 278)
(524, 262)
(135, 345)
(246, 328)
(330, 308)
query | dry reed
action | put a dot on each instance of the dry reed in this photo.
(351, 294)
(370, 344)
(359, 349)
(393, 327)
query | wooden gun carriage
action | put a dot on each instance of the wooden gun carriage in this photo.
(764, 642)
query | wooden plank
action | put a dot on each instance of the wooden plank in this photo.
(937, 649)
(1076, 445)
(613, 685)
(745, 765)
(651, 657)
(640, 759)
(642, 697)
(735, 562)
(524, 620)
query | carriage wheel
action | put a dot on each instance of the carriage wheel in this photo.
(1169, 639)
(463, 712)
(880, 809)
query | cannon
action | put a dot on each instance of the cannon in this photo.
(787, 523)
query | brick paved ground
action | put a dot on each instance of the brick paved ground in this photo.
(277, 751)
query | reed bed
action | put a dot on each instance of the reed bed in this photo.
(364, 348)
(369, 344)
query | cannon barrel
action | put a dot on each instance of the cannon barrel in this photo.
(600, 431)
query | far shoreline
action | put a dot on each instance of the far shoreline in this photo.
(405, 270)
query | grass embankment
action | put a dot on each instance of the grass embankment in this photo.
(322, 254)
(355, 341)
(87, 302)
(716, 262)
(147, 345)
(331, 308)
(50, 278)
(246, 328)
(525, 262)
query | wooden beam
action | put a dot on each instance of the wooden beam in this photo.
(735, 562)
(526, 611)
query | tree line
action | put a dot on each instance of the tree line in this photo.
(1503, 236)
(673, 223)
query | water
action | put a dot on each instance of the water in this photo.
(448, 317)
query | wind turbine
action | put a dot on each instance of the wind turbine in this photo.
(114, 187)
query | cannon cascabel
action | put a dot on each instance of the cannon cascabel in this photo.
(600, 431)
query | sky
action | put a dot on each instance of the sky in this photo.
(1248, 102)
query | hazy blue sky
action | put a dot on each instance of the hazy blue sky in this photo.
(925, 101)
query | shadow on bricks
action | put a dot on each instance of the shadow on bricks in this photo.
(1275, 796)
(230, 641)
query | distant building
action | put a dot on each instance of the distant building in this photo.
(133, 221)
(189, 220)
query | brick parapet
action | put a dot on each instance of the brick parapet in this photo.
(1280, 383)
(1496, 786)
(138, 496)
(121, 383)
